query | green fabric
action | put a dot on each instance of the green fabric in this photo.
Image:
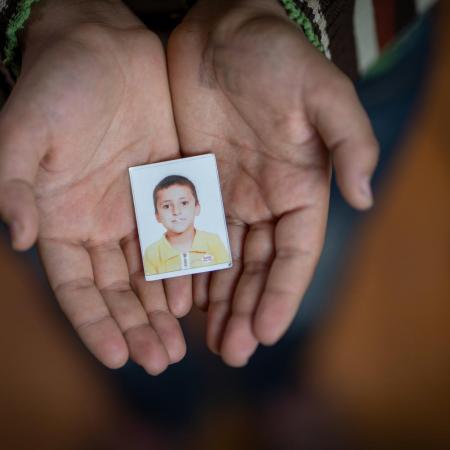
(395, 51)
(16, 24)
(297, 16)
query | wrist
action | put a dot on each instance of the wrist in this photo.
(52, 20)
(224, 17)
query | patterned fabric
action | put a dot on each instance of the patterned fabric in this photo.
(352, 33)
(13, 16)
(20, 12)
(7, 10)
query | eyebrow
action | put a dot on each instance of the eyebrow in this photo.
(179, 198)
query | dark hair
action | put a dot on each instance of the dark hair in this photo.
(171, 180)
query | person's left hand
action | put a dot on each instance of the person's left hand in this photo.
(248, 86)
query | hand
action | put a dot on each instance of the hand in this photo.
(248, 86)
(92, 100)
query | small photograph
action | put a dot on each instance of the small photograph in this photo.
(180, 217)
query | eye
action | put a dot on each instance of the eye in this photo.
(185, 203)
(165, 206)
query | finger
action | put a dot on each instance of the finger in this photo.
(239, 341)
(112, 278)
(298, 242)
(179, 295)
(70, 273)
(221, 289)
(20, 155)
(200, 287)
(162, 320)
(343, 125)
(153, 299)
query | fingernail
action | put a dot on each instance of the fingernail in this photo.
(366, 190)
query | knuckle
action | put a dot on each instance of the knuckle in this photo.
(252, 268)
(294, 127)
(70, 286)
(341, 84)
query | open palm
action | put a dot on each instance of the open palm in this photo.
(86, 107)
(249, 87)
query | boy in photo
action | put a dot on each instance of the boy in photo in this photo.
(182, 246)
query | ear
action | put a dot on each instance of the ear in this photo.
(197, 209)
(157, 217)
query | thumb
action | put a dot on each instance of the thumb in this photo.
(19, 162)
(344, 127)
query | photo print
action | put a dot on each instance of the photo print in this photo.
(180, 217)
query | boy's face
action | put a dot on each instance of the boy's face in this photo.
(176, 208)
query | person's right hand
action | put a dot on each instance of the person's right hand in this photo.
(92, 100)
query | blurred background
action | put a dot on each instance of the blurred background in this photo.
(366, 364)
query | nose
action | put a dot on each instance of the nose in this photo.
(175, 210)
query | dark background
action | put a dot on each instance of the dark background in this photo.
(366, 363)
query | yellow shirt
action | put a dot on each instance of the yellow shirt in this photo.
(207, 250)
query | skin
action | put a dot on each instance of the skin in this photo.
(248, 86)
(77, 118)
(176, 211)
(93, 99)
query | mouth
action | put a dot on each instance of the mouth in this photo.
(178, 220)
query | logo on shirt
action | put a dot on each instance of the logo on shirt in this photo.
(207, 258)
